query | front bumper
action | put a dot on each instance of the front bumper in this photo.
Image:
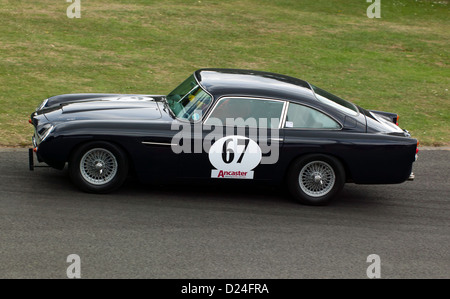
(33, 140)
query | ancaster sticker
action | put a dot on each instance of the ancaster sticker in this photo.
(234, 157)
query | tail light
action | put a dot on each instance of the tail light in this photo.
(396, 121)
(30, 121)
(417, 147)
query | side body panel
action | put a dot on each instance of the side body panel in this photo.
(367, 158)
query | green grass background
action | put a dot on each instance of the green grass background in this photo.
(398, 63)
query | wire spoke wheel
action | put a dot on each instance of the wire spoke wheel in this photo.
(316, 178)
(98, 166)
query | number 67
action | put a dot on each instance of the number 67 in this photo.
(228, 152)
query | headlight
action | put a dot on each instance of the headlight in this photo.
(45, 131)
(42, 105)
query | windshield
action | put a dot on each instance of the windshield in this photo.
(189, 101)
(335, 101)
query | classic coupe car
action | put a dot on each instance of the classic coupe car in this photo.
(224, 124)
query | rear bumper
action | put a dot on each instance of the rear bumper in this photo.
(412, 176)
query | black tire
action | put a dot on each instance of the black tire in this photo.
(322, 178)
(98, 167)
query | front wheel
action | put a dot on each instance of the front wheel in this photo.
(98, 167)
(315, 179)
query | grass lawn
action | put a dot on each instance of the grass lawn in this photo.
(398, 63)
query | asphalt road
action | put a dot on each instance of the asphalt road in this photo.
(222, 232)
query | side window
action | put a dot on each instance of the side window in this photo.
(247, 112)
(302, 117)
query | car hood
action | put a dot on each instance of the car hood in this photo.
(101, 107)
(86, 97)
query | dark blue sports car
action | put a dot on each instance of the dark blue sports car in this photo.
(224, 124)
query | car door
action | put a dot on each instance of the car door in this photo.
(239, 139)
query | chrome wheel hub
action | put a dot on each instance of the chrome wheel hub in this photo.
(98, 166)
(316, 178)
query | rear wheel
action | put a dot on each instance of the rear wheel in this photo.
(315, 179)
(98, 167)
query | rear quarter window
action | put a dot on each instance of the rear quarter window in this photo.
(335, 101)
(302, 117)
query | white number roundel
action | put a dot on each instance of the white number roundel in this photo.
(235, 153)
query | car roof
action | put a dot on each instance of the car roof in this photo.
(236, 82)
